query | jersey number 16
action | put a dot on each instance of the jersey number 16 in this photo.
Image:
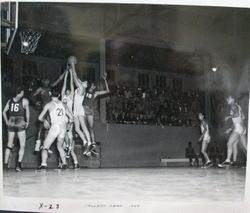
(14, 107)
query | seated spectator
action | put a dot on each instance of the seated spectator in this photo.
(157, 106)
(190, 154)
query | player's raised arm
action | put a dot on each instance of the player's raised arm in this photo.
(71, 83)
(64, 84)
(106, 91)
(72, 61)
(39, 90)
(59, 79)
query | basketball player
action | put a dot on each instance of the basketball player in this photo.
(44, 93)
(88, 104)
(67, 99)
(79, 119)
(58, 118)
(18, 121)
(205, 140)
(238, 131)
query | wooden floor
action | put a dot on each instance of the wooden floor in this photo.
(144, 184)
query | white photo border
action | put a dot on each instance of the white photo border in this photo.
(67, 205)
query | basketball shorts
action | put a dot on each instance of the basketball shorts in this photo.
(206, 139)
(16, 124)
(58, 130)
(241, 130)
(79, 111)
(88, 111)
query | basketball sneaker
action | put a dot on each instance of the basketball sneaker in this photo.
(19, 167)
(207, 165)
(224, 164)
(41, 167)
(94, 152)
(64, 166)
(76, 166)
(234, 164)
(86, 149)
(92, 147)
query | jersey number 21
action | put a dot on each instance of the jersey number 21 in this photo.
(60, 111)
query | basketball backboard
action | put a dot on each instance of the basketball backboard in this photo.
(9, 24)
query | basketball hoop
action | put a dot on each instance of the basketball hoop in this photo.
(29, 41)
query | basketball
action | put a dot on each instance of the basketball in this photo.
(72, 60)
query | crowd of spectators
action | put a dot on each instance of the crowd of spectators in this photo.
(165, 107)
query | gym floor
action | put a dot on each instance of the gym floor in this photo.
(146, 184)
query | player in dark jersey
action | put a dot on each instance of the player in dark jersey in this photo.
(44, 93)
(88, 105)
(17, 121)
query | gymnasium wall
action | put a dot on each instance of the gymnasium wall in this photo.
(142, 146)
(121, 145)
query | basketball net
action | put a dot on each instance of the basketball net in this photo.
(29, 41)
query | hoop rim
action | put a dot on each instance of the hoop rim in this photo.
(29, 40)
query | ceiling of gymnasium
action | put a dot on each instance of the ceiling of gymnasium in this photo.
(220, 33)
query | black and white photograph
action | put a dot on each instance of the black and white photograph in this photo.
(118, 104)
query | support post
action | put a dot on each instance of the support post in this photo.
(102, 71)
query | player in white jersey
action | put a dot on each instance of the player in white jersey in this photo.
(79, 118)
(205, 140)
(67, 99)
(43, 92)
(59, 115)
(238, 131)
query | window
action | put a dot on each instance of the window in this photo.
(91, 74)
(177, 83)
(143, 80)
(29, 68)
(160, 81)
(111, 75)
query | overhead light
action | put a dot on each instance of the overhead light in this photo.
(214, 69)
